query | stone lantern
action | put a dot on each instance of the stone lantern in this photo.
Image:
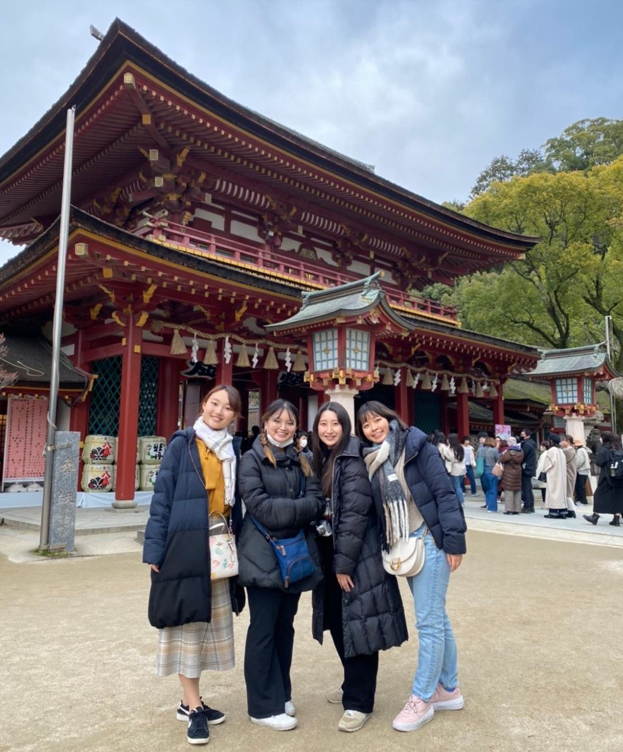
(341, 326)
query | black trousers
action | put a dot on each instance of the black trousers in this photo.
(268, 651)
(527, 494)
(360, 672)
(580, 488)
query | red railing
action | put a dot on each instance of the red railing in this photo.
(270, 262)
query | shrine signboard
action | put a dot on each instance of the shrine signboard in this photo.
(26, 434)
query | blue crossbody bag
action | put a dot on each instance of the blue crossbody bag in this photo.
(292, 554)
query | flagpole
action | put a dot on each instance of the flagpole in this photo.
(56, 331)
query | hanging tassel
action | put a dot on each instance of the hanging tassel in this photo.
(409, 379)
(299, 363)
(426, 384)
(271, 363)
(493, 392)
(479, 390)
(388, 378)
(463, 388)
(210, 358)
(177, 344)
(157, 326)
(445, 384)
(243, 357)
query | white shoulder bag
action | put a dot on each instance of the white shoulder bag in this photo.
(406, 558)
(223, 553)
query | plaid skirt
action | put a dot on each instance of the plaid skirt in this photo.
(199, 646)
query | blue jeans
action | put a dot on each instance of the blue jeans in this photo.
(457, 482)
(437, 657)
(472, 480)
(490, 487)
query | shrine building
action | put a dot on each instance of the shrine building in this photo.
(197, 226)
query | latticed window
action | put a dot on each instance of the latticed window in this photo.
(357, 349)
(148, 402)
(427, 411)
(325, 350)
(106, 397)
(588, 391)
(566, 391)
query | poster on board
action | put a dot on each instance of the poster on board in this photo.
(502, 431)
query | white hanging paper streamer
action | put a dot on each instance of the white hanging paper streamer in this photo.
(288, 360)
(416, 378)
(485, 386)
(256, 357)
(433, 386)
(194, 350)
(227, 350)
(397, 377)
(452, 385)
(473, 387)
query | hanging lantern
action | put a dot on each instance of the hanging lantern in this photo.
(299, 363)
(493, 392)
(479, 390)
(243, 357)
(210, 358)
(388, 378)
(463, 388)
(445, 384)
(271, 364)
(409, 379)
(177, 344)
(426, 384)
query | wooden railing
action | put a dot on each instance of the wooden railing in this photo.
(260, 259)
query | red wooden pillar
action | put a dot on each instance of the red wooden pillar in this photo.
(323, 397)
(79, 415)
(268, 388)
(445, 417)
(128, 416)
(224, 372)
(498, 407)
(402, 400)
(462, 414)
(168, 396)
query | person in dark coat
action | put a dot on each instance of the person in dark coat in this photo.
(411, 486)
(281, 492)
(608, 497)
(358, 602)
(195, 490)
(512, 460)
(528, 470)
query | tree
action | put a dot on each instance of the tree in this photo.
(586, 144)
(503, 168)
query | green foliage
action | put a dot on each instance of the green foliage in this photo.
(586, 144)
(503, 168)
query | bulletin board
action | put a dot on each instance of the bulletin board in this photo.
(26, 435)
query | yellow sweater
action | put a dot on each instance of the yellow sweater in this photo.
(213, 477)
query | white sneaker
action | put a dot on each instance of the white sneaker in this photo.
(352, 720)
(290, 709)
(281, 722)
(335, 696)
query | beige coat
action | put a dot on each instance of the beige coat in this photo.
(554, 464)
(572, 469)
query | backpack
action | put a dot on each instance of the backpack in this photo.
(616, 466)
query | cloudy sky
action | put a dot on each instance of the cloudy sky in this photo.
(428, 91)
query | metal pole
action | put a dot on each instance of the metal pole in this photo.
(612, 399)
(56, 330)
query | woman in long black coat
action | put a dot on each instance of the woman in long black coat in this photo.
(608, 498)
(358, 602)
(281, 492)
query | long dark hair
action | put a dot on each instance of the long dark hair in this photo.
(437, 438)
(324, 458)
(276, 408)
(376, 408)
(456, 446)
(611, 440)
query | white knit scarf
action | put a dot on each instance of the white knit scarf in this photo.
(221, 443)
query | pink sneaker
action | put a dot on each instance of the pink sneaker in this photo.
(415, 713)
(444, 700)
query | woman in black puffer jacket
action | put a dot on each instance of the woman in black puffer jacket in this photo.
(358, 602)
(281, 492)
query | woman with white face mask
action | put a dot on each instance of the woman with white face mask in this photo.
(282, 494)
(358, 602)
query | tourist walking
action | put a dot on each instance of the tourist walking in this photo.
(512, 460)
(470, 465)
(480, 460)
(582, 480)
(453, 455)
(194, 493)
(418, 499)
(553, 464)
(568, 449)
(528, 470)
(282, 494)
(357, 601)
(490, 456)
(608, 497)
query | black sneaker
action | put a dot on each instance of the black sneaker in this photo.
(214, 716)
(198, 731)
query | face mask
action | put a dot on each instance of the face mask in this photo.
(303, 442)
